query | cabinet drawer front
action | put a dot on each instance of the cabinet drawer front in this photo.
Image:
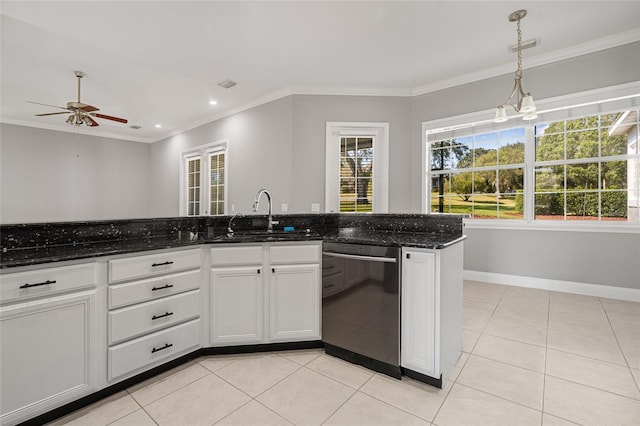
(332, 265)
(295, 253)
(332, 284)
(140, 291)
(45, 282)
(153, 348)
(237, 255)
(153, 264)
(151, 316)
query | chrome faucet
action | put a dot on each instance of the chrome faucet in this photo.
(229, 228)
(255, 207)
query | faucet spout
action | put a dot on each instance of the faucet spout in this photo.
(257, 202)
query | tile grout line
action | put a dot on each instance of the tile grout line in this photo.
(615, 335)
(546, 353)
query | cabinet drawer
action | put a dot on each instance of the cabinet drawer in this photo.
(151, 316)
(153, 264)
(141, 291)
(295, 253)
(45, 282)
(332, 265)
(152, 348)
(332, 284)
(236, 255)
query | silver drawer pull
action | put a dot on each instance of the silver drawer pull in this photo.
(162, 264)
(47, 282)
(329, 267)
(155, 317)
(162, 288)
(167, 346)
(328, 286)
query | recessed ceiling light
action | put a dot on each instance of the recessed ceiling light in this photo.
(212, 102)
(157, 126)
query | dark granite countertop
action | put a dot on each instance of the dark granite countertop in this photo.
(41, 243)
(428, 240)
(49, 254)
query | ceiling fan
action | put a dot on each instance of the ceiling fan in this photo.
(80, 113)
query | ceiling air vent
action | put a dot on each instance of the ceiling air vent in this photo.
(525, 45)
(227, 84)
(135, 127)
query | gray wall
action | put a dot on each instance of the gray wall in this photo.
(311, 113)
(260, 156)
(596, 258)
(49, 176)
(281, 146)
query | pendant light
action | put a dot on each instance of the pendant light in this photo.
(524, 101)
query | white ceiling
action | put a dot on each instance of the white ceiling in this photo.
(161, 61)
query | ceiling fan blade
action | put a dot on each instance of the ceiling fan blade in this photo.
(52, 106)
(109, 117)
(52, 113)
(90, 121)
(89, 108)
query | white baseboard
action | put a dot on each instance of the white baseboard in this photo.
(598, 290)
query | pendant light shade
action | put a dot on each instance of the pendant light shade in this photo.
(524, 103)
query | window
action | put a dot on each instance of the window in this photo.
(203, 188)
(481, 175)
(584, 168)
(357, 167)
(356, 174)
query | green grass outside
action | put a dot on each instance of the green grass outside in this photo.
(482, 206)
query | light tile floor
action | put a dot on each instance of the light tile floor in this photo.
(531, 357)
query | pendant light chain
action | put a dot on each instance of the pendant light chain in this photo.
(519, 70)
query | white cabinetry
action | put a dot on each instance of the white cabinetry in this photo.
(263, 293)
(154, 319)
(236, 299)
(431, 332)
(47, 332)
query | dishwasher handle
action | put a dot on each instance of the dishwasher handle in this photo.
(359, 257)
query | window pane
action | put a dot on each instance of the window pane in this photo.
(612, 145)
(462, 183)
(582, 176)
(485, 150)
(549, 206)
(614, 205)
(511, 144)
(485, 206)
(550, 141)
(550, 178)
(582, 205)
(583, 144)
(614, 175)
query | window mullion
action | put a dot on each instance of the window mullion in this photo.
(529, 173)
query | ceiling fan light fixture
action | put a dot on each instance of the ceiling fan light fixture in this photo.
(70, 119)
(524, 103)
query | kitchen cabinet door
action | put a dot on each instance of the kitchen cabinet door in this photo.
(294, 303)
(46, 354)
(419, 316)
(236, 305)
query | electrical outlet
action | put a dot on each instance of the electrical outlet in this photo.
(233, 208)
(285, 207)
(315, 207)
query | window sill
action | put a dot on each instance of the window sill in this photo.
(546, 225)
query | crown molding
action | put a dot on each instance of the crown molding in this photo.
(533, 61)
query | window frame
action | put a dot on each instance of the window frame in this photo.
(380, 134)
(593, 102)
(204, 153)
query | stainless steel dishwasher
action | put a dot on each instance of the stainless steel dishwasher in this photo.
(361, 305)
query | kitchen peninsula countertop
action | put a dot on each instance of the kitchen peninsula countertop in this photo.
(33, 244)
(428, 240)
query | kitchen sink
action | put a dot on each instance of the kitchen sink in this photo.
(264, 236)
